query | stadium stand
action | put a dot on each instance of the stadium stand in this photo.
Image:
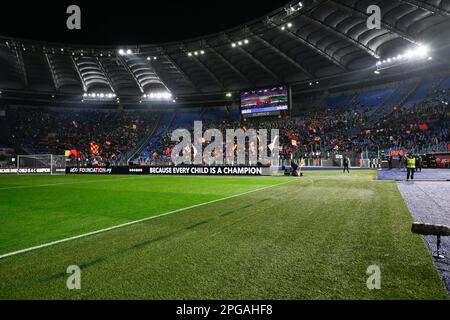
(343, 123)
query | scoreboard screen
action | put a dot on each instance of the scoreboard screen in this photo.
(265, 101)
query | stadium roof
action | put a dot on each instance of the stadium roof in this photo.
(318, 39)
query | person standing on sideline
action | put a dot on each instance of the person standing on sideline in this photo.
(346, 163)
(418, 163)
(390, 162)
(410, 166)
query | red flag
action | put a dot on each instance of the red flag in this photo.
(94, 148)
(74, 152)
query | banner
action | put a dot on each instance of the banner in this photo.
(443, 160)
(175, 170)
(397, 152)
(25, 171)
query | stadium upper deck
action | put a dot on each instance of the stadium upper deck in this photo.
(312, 45)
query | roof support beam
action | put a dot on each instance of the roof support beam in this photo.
(385, 25)
(230, 65)
(210, 73)
(257, 62)
(316, 49)
(153, 69)
(22, 66)
(100, 65)
(284, 55)
(52, 71)
(342, 35)
(181, 71)
(127, 67)
(427, 7)
(79, 74)
(207, 70)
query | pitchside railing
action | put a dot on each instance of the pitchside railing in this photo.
(41, 163)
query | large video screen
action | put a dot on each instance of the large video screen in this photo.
(265, 101)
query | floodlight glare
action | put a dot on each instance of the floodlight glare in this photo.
(233, 45)
(121, 52)
(129, 51)
(422, 50)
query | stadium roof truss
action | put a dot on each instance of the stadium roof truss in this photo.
(322, 38)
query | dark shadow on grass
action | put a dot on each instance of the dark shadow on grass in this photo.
(195, 225)
(82, 267)
(227, 213)
(148, 242)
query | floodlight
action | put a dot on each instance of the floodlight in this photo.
(422, 50)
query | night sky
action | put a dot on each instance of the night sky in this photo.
(127, 22)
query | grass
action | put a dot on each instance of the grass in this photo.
(312, 238)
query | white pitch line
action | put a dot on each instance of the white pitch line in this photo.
(134, 222)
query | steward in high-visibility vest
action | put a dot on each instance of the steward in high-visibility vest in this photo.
(410, 167)
(410, 162)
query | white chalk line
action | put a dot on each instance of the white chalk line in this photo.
(134, 222)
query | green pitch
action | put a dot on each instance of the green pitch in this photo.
(292, 238)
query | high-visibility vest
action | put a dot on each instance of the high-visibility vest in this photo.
(410, 163)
